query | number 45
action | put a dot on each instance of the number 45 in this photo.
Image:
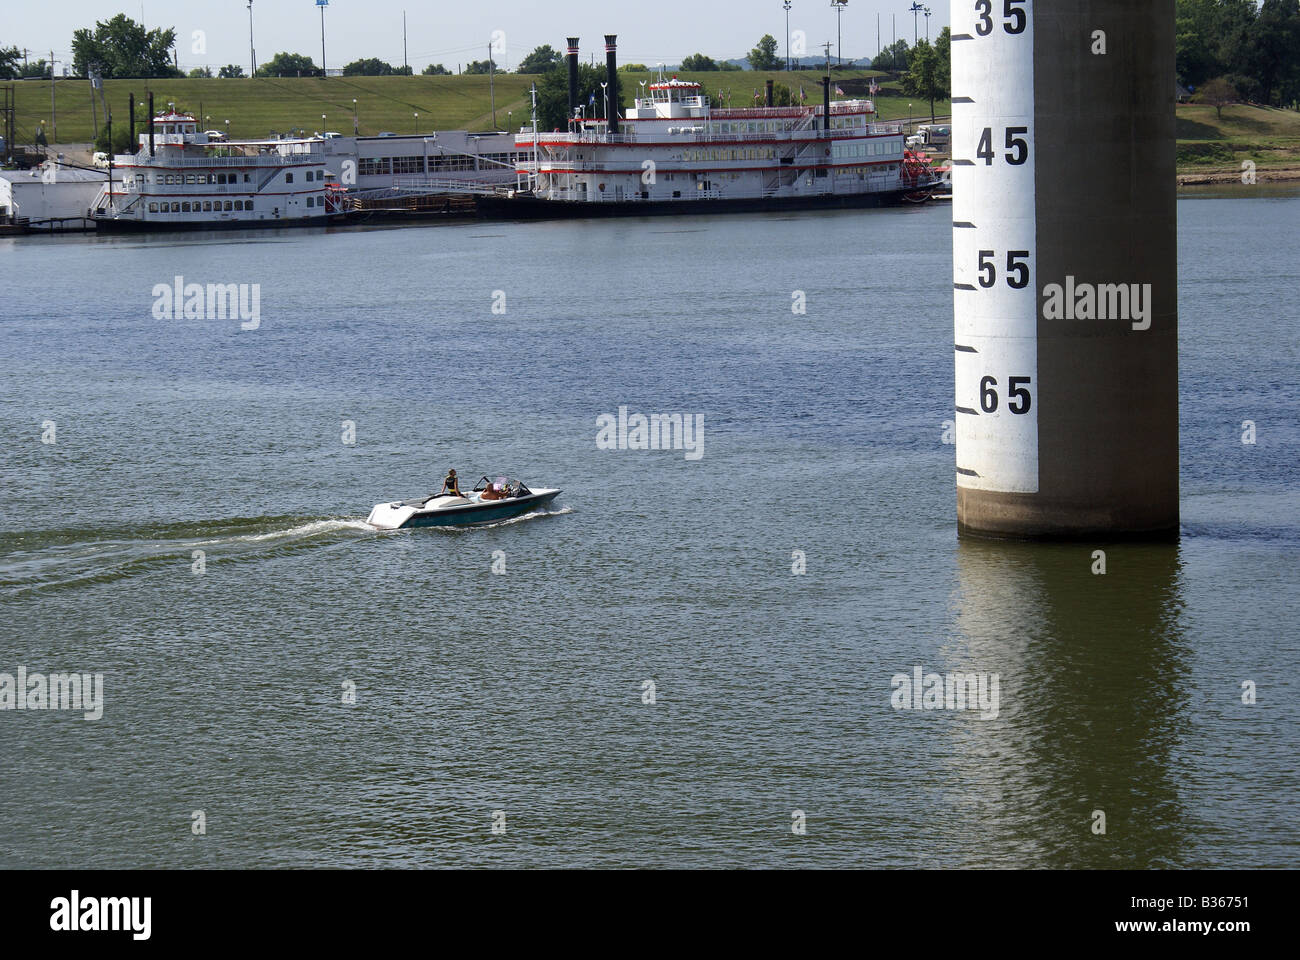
(1017, 147)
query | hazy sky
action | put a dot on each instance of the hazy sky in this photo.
(457, 32)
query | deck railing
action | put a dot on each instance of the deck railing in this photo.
(257, 160)
(794, 135)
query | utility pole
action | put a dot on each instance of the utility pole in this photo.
(54, 122)
(927, 24)
(322, 4)
(787, 6)
(405, 65)
(252, 54)
(839, 6)
(492, 89)
(915, 8)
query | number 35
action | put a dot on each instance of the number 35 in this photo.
(1013, 17)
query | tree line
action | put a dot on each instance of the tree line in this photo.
(1239, 49)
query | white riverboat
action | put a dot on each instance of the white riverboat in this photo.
(673, 152)
(180, 179)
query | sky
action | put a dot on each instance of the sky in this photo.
(445, 32)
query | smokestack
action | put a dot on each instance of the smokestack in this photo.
(151, 123)
(611, 67)
(135, 146)
(826, 102)
(573, 76)
(769, 94)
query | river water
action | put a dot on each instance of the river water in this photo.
(518, 698)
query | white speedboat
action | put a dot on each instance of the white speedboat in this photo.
(487, 503)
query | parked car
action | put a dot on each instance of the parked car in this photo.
(214, 135)
(100, 159)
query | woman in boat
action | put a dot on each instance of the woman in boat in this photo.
(451, 485)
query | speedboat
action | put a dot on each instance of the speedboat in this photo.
(488, 502)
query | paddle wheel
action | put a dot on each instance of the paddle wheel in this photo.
(918, 171)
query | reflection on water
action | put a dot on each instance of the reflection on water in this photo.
(1093, 687)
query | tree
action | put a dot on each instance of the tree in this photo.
(231, 71)
(199, 73)
(123, 141)
(289, 65)
(37, 68)
(553, 95)
(1218, 92)
(634, 68)
(368, 67)
(540, 60)
(699, 63)
(120, 47)
(9, 67)
(926, 77)
(480, 66)
(1275, 41)
(405, 70)
(763, 56)
(436, 70)
(893, 58)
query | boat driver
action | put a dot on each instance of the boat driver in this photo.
(451, 485)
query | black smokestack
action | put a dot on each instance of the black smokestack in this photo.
(134, 146)
(769, 94)
(151, 123)
(573, 76)
(826, 102)
(611, 67)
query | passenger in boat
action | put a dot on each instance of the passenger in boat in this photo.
(494, 491)
(451, 485)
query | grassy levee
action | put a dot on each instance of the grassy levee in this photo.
(1266, 135)
(256, 108)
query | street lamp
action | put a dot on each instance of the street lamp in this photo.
(787, 6)
(839, 6)
(915, 8)
(927, 24)
(417, 123)
(356, 123)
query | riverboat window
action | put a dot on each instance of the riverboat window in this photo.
(207, 206)
(239, 204)
(229, 205)
(185, 207)
(153, 208)
(176, 207)
(288, 178)
(311, 201)
(248, 204)
(247, 178)
(408, 164)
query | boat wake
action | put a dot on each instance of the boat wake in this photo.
(42, 560)
(38, 561)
